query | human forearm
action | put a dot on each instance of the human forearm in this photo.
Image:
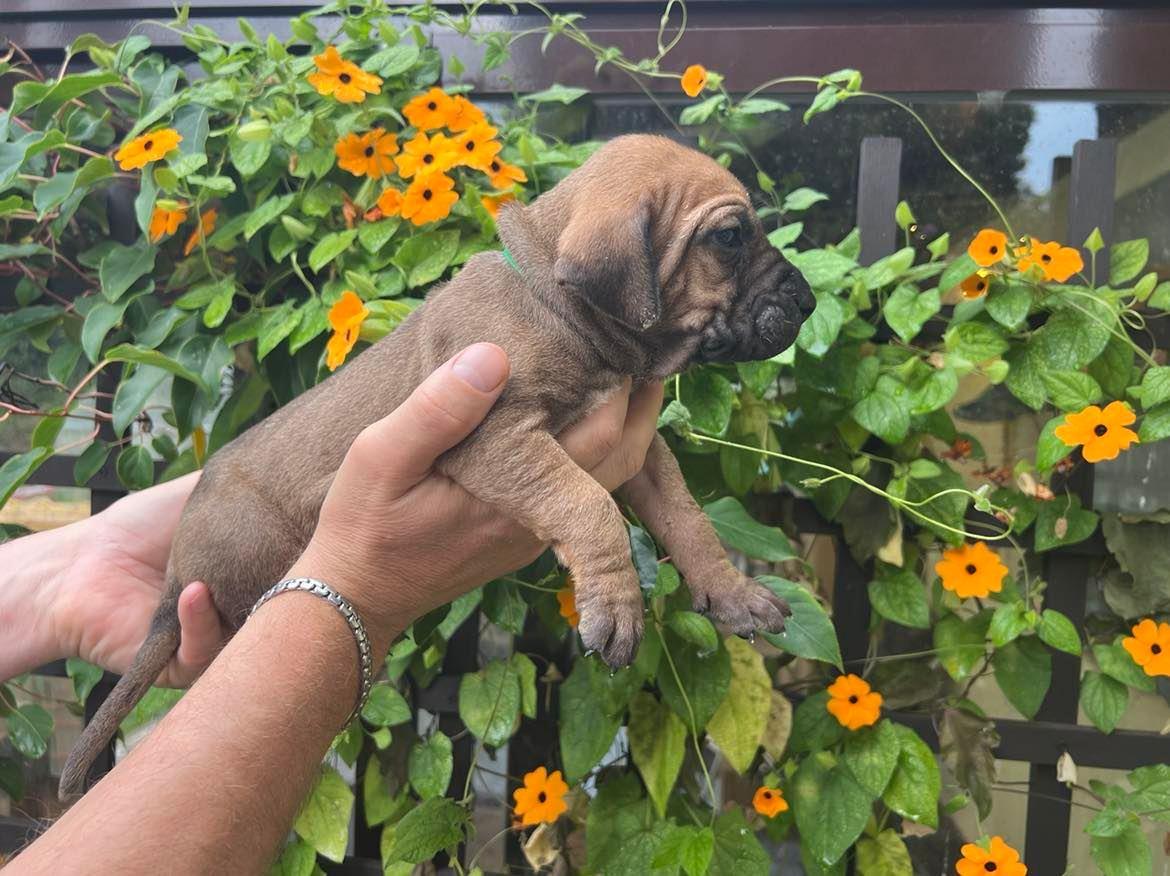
(32, 567)
(217, 784)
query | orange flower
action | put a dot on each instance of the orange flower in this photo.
(346, 317)
(1102, 433)
(367, 154)
(164, 221)
(975, 286)
(206, 226)
(769, 802)
(1002, 860)
(146, 148)
(988, 247)
(542, 799)
(429, 111)
(390, 202)
(503, 175)
(477, 147)
(493, 203)
(1150, 647)
(342, 79)
(463, 114)
(568, 604)
(1057, 262)
(853, 703)
(971, 570)
(422, 155)
(429, 198)
(694, 80)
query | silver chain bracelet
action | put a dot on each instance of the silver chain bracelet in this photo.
(343, 605)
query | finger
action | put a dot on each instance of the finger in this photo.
(641, 423)
(400, 449)
(202, 632)
(594, 438)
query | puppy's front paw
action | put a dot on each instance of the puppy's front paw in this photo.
(611, 619)
(741, 604)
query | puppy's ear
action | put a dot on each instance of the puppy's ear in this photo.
(606, 257)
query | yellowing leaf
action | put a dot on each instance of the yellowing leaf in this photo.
(738, 724)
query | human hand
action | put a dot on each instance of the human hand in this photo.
(102, 603)
(398, 539)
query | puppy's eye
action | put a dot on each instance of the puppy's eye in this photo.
(728, 237)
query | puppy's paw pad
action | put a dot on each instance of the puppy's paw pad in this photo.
(744, 607)
(613, 630)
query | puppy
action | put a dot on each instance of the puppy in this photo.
(646, 259)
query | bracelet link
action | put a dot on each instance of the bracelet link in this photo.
(352, 619)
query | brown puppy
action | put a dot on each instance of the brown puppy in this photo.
(644, 260)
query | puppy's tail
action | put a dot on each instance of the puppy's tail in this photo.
(161, 643)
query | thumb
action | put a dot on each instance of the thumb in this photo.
(401, 448)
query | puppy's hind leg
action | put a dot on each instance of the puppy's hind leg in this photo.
(661, 499)
(529, 477)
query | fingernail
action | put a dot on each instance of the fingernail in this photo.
(484, 366)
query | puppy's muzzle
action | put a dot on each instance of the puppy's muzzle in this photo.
(763, 322)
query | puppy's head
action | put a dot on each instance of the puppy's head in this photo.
(665, 242)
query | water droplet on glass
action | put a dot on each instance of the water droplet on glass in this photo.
(612, 673)
(751, 638)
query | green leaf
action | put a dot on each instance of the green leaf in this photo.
(1049, 449)
(1008, 623)
(1058, 632)
(375, 235)
(622, 834)
(883, 855)
(830, 808)
(428, 829)
(504, 606)
(698, 113)
(379, 804)
(915, 787)
(393, 61)
(884, 413)
(1071, 390)
(430, 766)
(808, 633)
(133, 393)
(975, 341)
(30, 728)
(1063, 522)
(278, 324)
(686, 848)
(323, 821)
(18, 469)
(657, 744)
(1126, 260)
(62, 186)
(1103, 700)
(709, 397)
(123, 266)
(736, 851)
(1155, 386)
(90, 462)
(813, 727)
(526, 671)
(802, 199)
(820, 330)
(266, 212)
(296, 859)
(135, 468)
(823, 269)
(871, 755)
(1155, 424)
(1115, 662)
(739, 531)
(1009, 302)
(694, 628)
(967, 743)
(154, 359)
(385, 707)
(907, 309)
(898, 595)
(249, 156)
(957, 271)
(1023, 671)
(330, 247)
(424, 257)
(961, 643)
(1127, 854)
(1072, 338)
(705, 677)
(586, 730)
(489, 702)
(738, 724)
(785, 234)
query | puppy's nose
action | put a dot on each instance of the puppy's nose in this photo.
(770, 323)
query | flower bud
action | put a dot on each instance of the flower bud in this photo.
(255, 130)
